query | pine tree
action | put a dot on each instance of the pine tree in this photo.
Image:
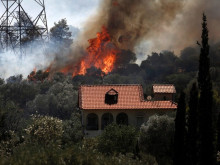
(60, 33)
(192, 135)
(179, 136)
(206, 147)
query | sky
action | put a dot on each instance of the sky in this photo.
(75, 11)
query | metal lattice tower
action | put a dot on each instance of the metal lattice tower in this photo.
(18, 29)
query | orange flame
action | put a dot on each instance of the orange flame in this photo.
(101, 54)
(31, 77)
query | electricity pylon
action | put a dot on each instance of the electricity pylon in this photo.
(18, 29)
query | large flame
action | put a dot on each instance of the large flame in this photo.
(101, 54)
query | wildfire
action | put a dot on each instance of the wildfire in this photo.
(101, 54)
(31, 77)
(38, 75)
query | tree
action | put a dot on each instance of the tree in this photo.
(60, 33)
(206, 148)
(59, 101)
(72, 129)
(192, 135)
(117, 138)
(151, 140)
(218, 131)
(179, 136)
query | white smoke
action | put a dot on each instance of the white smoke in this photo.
(12, 64)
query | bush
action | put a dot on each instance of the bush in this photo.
(32, 153)
(45, 129)
(60, 101)
(72, 129)
(71, 154)
(156, 136)
(117, 138)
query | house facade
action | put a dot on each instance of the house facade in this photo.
(122, 104)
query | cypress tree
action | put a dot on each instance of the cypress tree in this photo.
(179, 136)
(206, 147)
(218, 133)
(192, 135)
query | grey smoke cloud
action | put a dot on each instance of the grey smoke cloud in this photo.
(141, 25)
(185, 29)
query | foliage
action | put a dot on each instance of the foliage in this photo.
(72, 154)
(218, 133)
(180, 80)
(206, 129)
(72, 129)
(11, 119)
(158, 65)
(18, 91)
(192, 135)
(117, 139)
(180, 132)
(218, 156)
(189, 59)
(45, 130)
(9, 143)
(156, 136)
(59, 101)
(60, 33)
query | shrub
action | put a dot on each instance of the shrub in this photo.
(72, 129)
(156, 136)
(45, 129)
(117, 138)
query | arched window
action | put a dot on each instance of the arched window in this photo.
(92, 122)
(122, 118)
(107, 119)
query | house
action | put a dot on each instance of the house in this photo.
(163, 91)
(123, 104)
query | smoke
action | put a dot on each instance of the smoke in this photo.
(146, 26)
(142, 26)
(13, 64)
(186, 28)
(129, 22)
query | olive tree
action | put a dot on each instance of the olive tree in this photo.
(156, 136)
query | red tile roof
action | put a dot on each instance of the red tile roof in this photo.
(129, 97)
(164, 88)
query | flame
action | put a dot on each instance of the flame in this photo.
(34, 77)
(101, 54)
(82, 68)
(31, 77)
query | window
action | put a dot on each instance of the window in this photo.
(122, 118)
(107, 119)
(140, 121)
(92, 122)
(111, 97)
(164, 98)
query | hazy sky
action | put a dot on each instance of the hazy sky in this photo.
(75, 11)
